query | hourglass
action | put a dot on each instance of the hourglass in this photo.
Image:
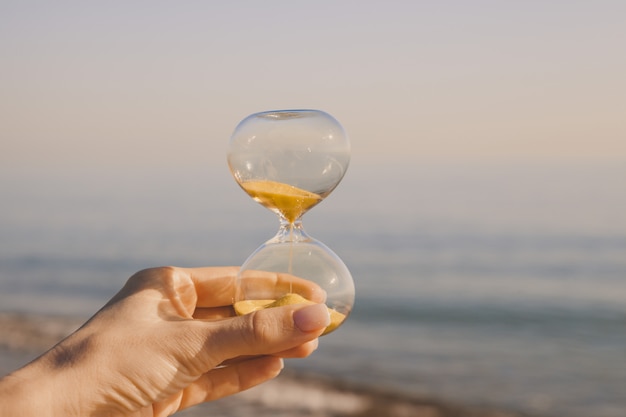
(289, 161)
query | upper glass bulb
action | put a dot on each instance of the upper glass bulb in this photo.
(300, 154)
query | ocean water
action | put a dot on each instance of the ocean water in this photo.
(485, 284)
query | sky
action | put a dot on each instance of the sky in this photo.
(134, 83)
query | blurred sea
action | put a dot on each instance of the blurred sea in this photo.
(485, 284)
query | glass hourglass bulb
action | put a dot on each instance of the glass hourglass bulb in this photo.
(289, 161)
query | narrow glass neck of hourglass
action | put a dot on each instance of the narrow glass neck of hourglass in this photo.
(291, 232)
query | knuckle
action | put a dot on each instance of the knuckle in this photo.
(157, 276)
(267, 326)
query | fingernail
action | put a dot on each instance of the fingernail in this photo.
(312, 318)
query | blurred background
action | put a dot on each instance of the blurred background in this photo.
(482, 215)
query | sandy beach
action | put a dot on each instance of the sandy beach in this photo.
(23, 337)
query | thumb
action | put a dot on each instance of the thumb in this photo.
(265, 332)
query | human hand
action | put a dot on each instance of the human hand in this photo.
(153, 349)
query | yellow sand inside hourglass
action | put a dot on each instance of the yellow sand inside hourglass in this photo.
(248, 306)
(291, 202)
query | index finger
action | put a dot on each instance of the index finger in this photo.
(273, 285)
(218, 286)
(215, 286)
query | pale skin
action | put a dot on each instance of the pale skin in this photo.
(167, 341)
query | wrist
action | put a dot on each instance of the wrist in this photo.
(30, 391)
(45, 387)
